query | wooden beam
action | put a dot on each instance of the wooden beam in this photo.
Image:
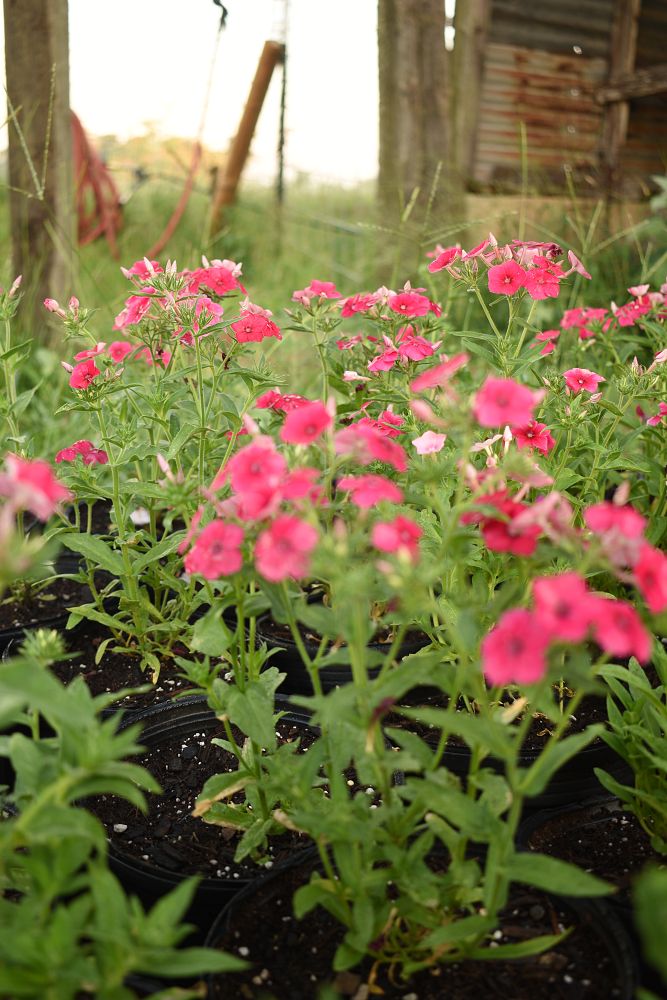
(471, 21)
(642, 83)
(41, 198)
(621, 64)
(272, 55)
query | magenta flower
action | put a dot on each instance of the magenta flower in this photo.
(252, 327)
(119, 350)
(409, 304)
(542, 281)
(440, 374)
(619, 630)
(400, 535)
(254, 468)
(369, 490)
(282, 551)
(90, 455)
(514, 650)
(305, 424)
(651, 577)
(359, 303)
(564, 606)
(582, 380)
(84, 374)
(31, 485)
(534, 435)
(217, 551)
(502, 401)
(444, 258)
(366, 444)
(506, 278)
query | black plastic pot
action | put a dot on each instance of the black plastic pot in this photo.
(288, 659)
(599, 819)
(257, 899)
(165, 724)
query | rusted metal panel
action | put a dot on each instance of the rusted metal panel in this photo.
(542, 67)
(552, 96)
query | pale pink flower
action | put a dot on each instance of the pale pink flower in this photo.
(576, 265)
(283, 550)
(52, 306)
(352, 376)
(360, 303)
(429, 443)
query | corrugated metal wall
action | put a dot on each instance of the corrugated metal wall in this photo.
(542, 66)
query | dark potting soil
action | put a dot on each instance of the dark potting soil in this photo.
(282, 634)
(602, 838)
(168, 837)
(116, 671)
(291, 960)
(37, 604)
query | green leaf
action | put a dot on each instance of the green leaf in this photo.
(210, 634)
(459, 930)
(95, 551)
(522, 949)
(180, 440)
(554, 875)
(252, 711)
(650, 899)
(163, 548)
(607, 405)
(536, 778)
(188, 962)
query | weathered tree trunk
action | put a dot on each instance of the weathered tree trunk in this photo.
(420, 189)
(40, 153)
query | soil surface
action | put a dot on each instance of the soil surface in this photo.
(602, 838)
(39, 604)
(116, 671)
(169, 837)
(291, 960)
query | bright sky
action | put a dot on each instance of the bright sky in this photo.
(139, 61)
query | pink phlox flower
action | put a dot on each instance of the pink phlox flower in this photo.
(389, 423)
(409, 303)
(628, 314)
(400, 535)
(553, 514)
(92, 352)
(305, 424)
(53, 307)
(346, 344)
(582, 380)
(280, 403)
(217, 551)
(534, 435)
(90, 455)
(502, 401)
(620, 529)
(301, 484)
(480, 248)
(440, 374)
(31, 485)
(325, 289)
(506, 278)
(548, 338)
(193, 526)
(504, 533)
(526, 252)
(350, 375)
(252, 327)
(221, 278)
(514, 651)
(429, 443)
(384, 362)
(659, 359)
(443, 257)
(576, 265)
(362, 302)
(135, 309)
(283, 550)
(143, 269)
(367, 444)
(542, 280)
(84, 374)
(564, 606)
(619, 630)
(119, 350)
(413, 347)
(650, 574)
(639, 290)
(369, 490)
(255, 467)
(660, 415)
